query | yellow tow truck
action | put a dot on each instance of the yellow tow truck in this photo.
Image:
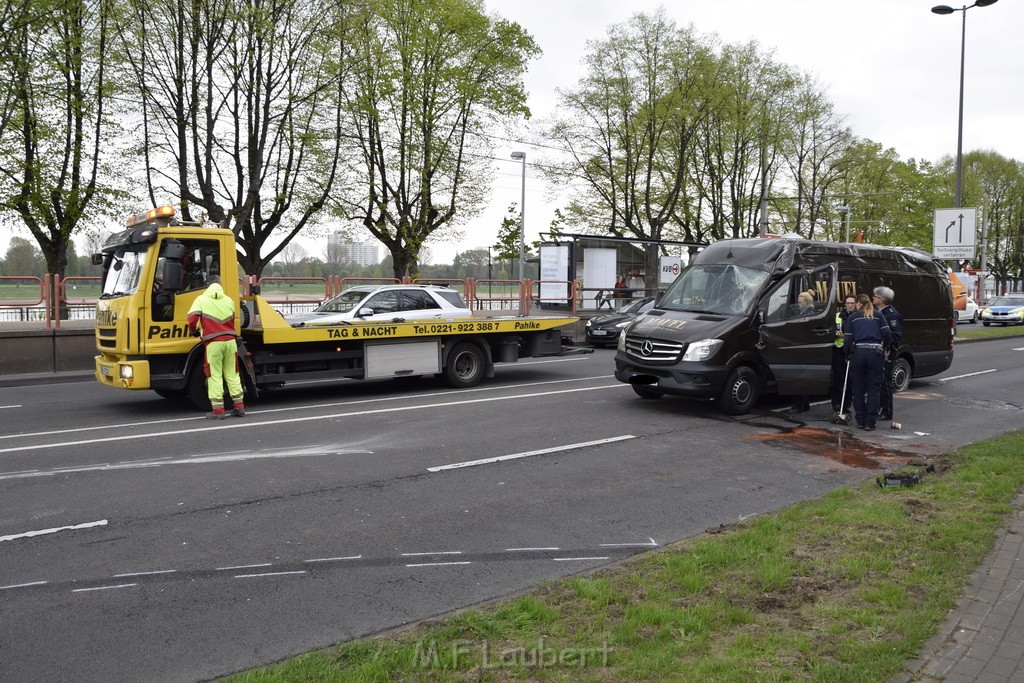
(155, 268)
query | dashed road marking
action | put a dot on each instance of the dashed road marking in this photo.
(243, 566)
(334, 559)
(439, 552)
(43, 532)
(261, 575)
(104, 588)
(578, 559)
(969, 374)
(23, 585)
(437, 564)
(153, 573)
(529, 454)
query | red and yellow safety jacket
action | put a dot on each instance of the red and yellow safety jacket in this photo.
(214, 313)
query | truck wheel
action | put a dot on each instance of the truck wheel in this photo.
(465, 366)
(644, 391)
(741, 391)
(901, 373)
(197, 388)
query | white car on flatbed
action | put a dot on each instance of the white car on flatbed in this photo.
(385, 303)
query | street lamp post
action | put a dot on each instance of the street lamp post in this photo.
(846, 210)
(522, 214)
(946, 9)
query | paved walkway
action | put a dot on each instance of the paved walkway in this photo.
(983, 638)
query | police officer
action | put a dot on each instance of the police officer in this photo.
(882, 301)
(840, 381)
(865, 341)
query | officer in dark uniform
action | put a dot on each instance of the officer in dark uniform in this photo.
(865, 341)
(882, 301)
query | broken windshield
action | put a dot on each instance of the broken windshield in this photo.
(124, 275)
(714, 288)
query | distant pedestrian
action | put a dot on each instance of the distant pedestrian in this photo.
(882, 301)
(865, 341)
(213, 314)
(604, 297)
(621, 291)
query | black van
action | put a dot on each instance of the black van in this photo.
(733, 324)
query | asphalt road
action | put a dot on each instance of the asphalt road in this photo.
(181, 549)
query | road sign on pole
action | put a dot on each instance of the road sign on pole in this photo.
(955, 231)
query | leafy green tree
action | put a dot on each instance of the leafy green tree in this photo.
(60, 123)
(630, 125)
(427, 73)
(23, 258)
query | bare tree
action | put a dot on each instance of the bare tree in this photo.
(241, 115)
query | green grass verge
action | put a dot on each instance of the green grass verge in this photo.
(979, 331)
(846, 587)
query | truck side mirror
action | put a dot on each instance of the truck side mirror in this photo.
(172, 276)
(760, 316)
(96, 259)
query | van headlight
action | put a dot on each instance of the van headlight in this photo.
(702, 350)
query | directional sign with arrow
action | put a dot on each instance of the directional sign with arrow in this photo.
(955, 233)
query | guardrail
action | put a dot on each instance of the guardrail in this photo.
(47, 299)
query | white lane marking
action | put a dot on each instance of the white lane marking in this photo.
(43, 532)
(526, 550)
(243, 566)
(649, 544)
(437, 564)
(528, 454)
(334, 559)
(24, 585)
(439, 552)
(577, 559)
(250, 425)
(257, 576)
(970, 374)
(161, 571)
(333, 404)
(1019, 348)
(192, 460)
(143, 462)
(103, 588)
(11, 406)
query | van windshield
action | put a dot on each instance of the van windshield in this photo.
(714, 288)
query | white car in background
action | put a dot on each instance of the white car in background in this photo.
(969, 312)
(386, 303)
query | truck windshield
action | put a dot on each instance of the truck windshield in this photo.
(125, 274)
(714, 288)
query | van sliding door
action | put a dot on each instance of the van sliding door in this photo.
(798, 332)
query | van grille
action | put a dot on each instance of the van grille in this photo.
(654, 350)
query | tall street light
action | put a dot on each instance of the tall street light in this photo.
(846, 210)
(522, 210)
(946, 9)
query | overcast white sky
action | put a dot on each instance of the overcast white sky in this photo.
(891, 66)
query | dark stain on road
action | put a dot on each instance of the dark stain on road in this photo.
(836, 445)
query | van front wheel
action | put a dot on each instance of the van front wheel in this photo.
(900, 376)
(741, 391)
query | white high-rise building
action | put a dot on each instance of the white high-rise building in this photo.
(361, 253)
